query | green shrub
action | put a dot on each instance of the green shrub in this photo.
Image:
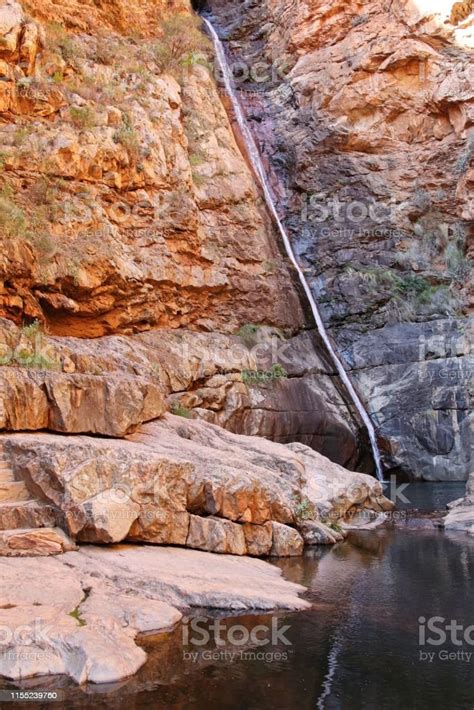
(278, 372)
(304, 508)
(76, 614)
(255, 377)
(408, 294)
(20, 135)
(13, 221)
(182, 44)
(198, 180)
(82, 116)
(196, 159)
(128, 137)
(458, 265)
(61, 42)
(180, 410)
(29, 350)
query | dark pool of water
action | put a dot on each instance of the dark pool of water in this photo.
(424, 497)
(357, 647)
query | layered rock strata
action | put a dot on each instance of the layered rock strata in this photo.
(190, 483)
(364, 116)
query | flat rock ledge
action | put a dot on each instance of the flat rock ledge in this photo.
(461, 512)
(84, 621)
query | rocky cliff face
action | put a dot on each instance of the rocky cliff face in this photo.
(125, 201)
(126, 206)
(130, 221)
(140, 273)
(364, 113)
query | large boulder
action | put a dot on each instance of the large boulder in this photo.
(108, 404)
(186, 482)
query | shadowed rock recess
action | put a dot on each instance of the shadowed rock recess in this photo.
(364, 114)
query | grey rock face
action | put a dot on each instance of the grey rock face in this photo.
(418, 380)
(368, 149)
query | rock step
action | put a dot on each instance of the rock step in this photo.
(28, 514)
(13, 492)
(34, 542)
(6, 477)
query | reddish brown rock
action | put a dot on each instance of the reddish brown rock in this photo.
(159, 486)
(258, 539)
(147, 217)
(75, 403)
(216, 535)
(35, 542)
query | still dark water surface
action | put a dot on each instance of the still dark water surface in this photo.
(357, 647)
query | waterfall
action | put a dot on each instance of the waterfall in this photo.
(257, 165)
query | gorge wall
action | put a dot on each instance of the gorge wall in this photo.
(364, 114)
(138, 259)
(139, 267)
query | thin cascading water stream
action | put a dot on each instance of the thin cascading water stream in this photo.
(259, 170)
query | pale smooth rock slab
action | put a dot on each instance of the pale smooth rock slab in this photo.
(83, 622)
(461, 511)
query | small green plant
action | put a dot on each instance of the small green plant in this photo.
(409, 294)
(333, 524)
(29, 351)
(182, 44)
(13, 221)
(197, 158)
(257, 377)
(128, 137)
(76, 614)
(457, 263)
(82, 116)
(278, 372)
(198, 180)
(32, 330)
(32, 360)
(249, 334)
(20, 135)
(61, 42)
(304, 509)
(58, 76)
(180, 410)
